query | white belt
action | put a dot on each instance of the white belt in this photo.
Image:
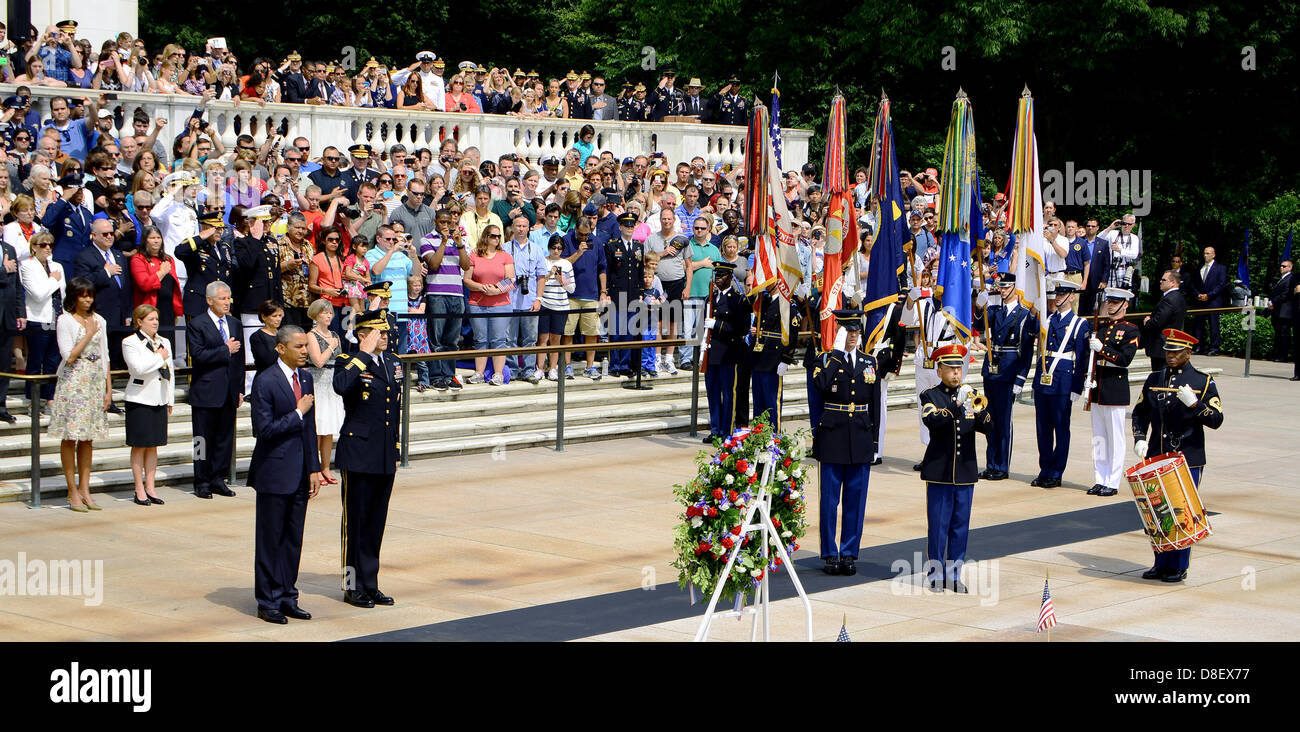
(1068, 356)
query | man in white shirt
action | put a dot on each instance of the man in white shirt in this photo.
(1124, 250)
(1055, 248)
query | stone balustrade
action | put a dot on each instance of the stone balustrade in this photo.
(493, 134)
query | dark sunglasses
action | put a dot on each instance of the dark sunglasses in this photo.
(553, 247)
(494, 236)
(332, 238)
(331, 158)
(386, 180)
(303, 150)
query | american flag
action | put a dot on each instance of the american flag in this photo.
(776, 120)
(844, 633)
(1047, 613)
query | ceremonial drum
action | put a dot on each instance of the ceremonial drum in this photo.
(1171, 510)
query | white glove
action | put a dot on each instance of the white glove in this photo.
(1090, 385)
(1094, 344)
(964, 393)
(1140, 449)
(1075, 397)
(709, 323)
(982, 299)
(1186, 395)
(914, 293)
(781, 368)
(1015, 390)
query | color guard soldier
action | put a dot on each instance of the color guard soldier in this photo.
(845, 442)
(949, 469)
(1058, 380)
(369, 449)
(359, 172)
(727, 324)
(1115, 345)
(1011, 334)
(888, 352)
(771, 357)
(1177, 403)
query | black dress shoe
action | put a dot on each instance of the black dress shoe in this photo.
(832, 566)
(138, 502)
(272, 616)
(1037, 482)
(1153, 573)
(295, 612)
(1096, 488)
(112, 409)
(203, 494)
(7, 417)
(936, 584)
(877, 461)
(708, 439)
(984, 474)
(1107, 492)
(358, 599)
(847, 566)
(1178, 576)
(959, 587)
(221, 490)
(998, 475)
(1294, 378)
(1051, 482)
(156, 501)
(917, 467)
(380, 598)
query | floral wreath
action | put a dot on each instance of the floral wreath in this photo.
(718, 497)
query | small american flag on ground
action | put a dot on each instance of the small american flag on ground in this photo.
(844, 633)
(1047, 613)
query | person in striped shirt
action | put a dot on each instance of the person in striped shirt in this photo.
(554, 307)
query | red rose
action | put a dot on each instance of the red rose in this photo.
(776, 522)
(779, 561)
(753, 478)
(733, 496)
(742, 466)
(786, 463)
(724, 457)
(796, 547)
(744, 541)
(760, 575)
(713, 512)
(717, 494)
(727, 542)
(735, 530)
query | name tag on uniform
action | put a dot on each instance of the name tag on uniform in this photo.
(1045, 379)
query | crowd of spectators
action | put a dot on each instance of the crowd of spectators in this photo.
(57, 58)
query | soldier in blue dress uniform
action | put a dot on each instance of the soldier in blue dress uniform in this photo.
(1177, 403)
(1058, 381)
(358, 172)
(625, 267)
(369, 448)
(949, 467)
(728, 107)
(771, 357)
(727, 324)
(634, 108)
(1011, 334)
(845, 442)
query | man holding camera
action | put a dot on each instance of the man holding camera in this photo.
(514, 204)
(57, 51)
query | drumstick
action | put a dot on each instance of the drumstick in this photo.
(1164, 388)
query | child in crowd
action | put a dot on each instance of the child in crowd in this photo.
(417, 329)
(652, 295)
(356, 274)
(554, 308)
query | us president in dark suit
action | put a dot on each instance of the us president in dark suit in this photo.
(285, 472)
(214, 338)
(1169, 312)
(106, 267)
(370, 382)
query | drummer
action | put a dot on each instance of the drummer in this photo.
(1177, 403)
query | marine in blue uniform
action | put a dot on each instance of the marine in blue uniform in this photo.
(370, 382)
(771, 357)
(1058, 380)
(845, 442)
(727, 324)
(949, 467)
(1011, 334)
(1177, 403)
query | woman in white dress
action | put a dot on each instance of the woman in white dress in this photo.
(323, 346)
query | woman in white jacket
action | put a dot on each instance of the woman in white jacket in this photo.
(44, 286)
(150, 397)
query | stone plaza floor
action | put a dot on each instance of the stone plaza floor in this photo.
(538, 545)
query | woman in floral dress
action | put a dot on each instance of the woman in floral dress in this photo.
(84, 390)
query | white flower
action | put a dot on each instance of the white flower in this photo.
(729, 479)
(751, 470)
(696, 521)
(756, 573)
(763, 457)
(787, 534)
(795, 494)
(781, 476)
(740, 501)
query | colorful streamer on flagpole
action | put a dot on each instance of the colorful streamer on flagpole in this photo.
(960, 219)
(1025, 217)
(841, 224)
(891, 227)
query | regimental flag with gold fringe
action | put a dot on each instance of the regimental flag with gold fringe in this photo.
(887, 249)
(776, 260)
(961, 222)
(841, 223)
(1025, 217)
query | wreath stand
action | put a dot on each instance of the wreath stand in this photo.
(770, 537)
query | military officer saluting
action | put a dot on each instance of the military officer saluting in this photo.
(359, 172)
(207, 259)
(370, 382)
(727, 323)
(949, 468)
(1011, 334)
(578, 98)
(1058, 380)
(666, 100)
(845, 442)
(1177, 403)
(635, 109)
(771, 356)
(729, 108)
(1115, 345)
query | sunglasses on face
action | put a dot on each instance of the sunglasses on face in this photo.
(331, 158)
(304, 150)
(554, 248)
(331, 239)
(389, 181)
(494, 236)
